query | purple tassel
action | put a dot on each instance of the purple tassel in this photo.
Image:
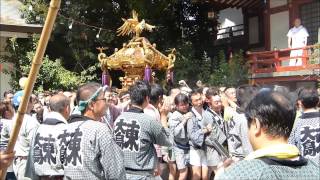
(105, 79)
(171, 76)
(147, 74)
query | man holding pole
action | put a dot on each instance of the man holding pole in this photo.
(36, 64)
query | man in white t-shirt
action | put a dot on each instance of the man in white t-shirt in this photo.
(297, 38)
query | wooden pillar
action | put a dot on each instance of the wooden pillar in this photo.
(266, 19)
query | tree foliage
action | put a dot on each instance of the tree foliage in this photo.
(76, 46)
(232, 73)
(183, 25)
(52, 74)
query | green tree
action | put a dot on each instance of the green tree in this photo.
(183, 25)
(238, 69)
(52, 74)
(185, 63)
(233, 73)
(75, 43)
(221, 73)
(205, 68)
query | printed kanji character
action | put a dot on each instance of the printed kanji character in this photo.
(75, 146)
(218, 120)
(37, 152)
(120, 126)
(63, 155)
(38, 155)
(309, 148)
(229, 126)
(309, 133)
(119, 138)
(317, 135)
(132, 133)
(237, 143)
(48, 149)
(63, 143)
(63, 137)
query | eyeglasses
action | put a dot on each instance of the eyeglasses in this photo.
(104, 99)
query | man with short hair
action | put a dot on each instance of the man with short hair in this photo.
(229, 102)
(236, 128)
(43, 154)
(270, 118)
(215, 106)
(212, 116)
(8, 96)
(152, 109)
(197, 131)
(112, 111)
(136, 133)
(306, 132)
(87, 149)
(297, 38)
(178, 126)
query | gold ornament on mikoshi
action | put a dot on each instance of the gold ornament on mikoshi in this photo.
(137, 55)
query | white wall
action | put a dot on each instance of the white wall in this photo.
(230, 17)
(4, 78)
(275, 3)
(279, 27)
(227, 18)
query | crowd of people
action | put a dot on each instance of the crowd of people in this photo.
(145, 133)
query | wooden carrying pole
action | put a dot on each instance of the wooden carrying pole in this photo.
(36, 64)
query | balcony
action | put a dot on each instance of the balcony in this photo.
(228, 35)
(273, 66)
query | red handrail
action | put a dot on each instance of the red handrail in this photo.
(271, 61)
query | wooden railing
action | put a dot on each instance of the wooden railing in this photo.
(278, 60)
(231, 31)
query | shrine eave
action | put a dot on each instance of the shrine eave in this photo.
(245, 4)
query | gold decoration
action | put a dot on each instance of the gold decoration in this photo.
(102, 58)
(132, 25)
(135, 55)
